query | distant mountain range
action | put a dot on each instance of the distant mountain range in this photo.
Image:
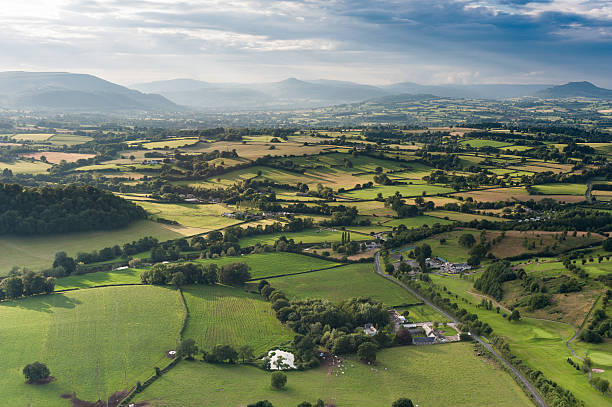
(575, 89)
(64, 91)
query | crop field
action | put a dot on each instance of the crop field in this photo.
(338, 284)
(57, 157)
(561, 189)
(417, 221)
(305, 236)
(95, 342)
(201, 218)
(226, 315)
(37, 252)
(25, 167)
(100, 278)
(399, 372)
(416, 189)
(69, 139)
(274, 263)
(539, 343)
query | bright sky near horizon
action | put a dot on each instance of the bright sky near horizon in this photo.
(376, 41)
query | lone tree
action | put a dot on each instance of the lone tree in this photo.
(403, 402)
(187, 349)
(403, 337)
(367, 352)
(278, 380)
(245, 352)
(467, 240)
(36, 372)
(515, 316)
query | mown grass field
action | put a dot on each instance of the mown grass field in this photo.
(417, 221)
(171, 143)
(388, 190)
(129, 276)
(200, 218)
(399, 372)
(561, 189)
(32, 136)
(305, 236)
(37, 252)
(338, 284)
(95, 342)
(274, 264)
(477, 143)
(423, 313)
(25, 167)
(539, 343)
(226, 315)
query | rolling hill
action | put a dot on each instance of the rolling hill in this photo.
(74, 92)
(575, 89)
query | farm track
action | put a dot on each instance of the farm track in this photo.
(534, 393)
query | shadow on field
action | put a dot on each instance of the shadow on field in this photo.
(43, 303)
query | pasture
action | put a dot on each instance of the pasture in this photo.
(417, 221)
(305, 236)
(56, 157)
(561, 189)
(100, 278)
(254, 150)
(515, 194)
(226, 315)
(478, 143)
(398, 372)
(200, 218)
(539, 343)
(274, 263)
(463, 217)
(37, 252)
(95, 342)
(25, 167)
(171, 143)
(338, 284)
(68, 139)
(33, 137)
(418, 188)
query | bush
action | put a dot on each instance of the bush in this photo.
(403, 402)
(367, 352)
(36, 372)
(278, 380)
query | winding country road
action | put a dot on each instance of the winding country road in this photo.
(534, 393)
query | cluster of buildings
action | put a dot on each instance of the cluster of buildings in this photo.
(446, 266)
(423, 333)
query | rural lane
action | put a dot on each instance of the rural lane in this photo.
(536, 396)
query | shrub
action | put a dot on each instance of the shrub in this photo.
(36, 372)
(278, 380)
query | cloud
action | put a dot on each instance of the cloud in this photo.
(371, 41)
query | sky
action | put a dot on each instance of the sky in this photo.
(375, 42)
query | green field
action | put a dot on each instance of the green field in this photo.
(129, 276)
(399, 372)
(450, 250)
(478, 143)
(204, 218)
(226, 315)
(561, 189)
(417, 221)
(388, 190)
(171, 143)
(95, 342)
(463, 217)
(305, 236)
(69, 139)
(539, 343)
(274, 263)
(424, 313)
(26, 167)
(34, 137)
(338, 284)
(37, 252)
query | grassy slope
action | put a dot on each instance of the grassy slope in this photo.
(305, 236)
(442, 375)
(131, 276)
(37, 252)
(273, 264)
(341, 283)
(540, 344)
(91, 340)
(225, 315)
(203, 217)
